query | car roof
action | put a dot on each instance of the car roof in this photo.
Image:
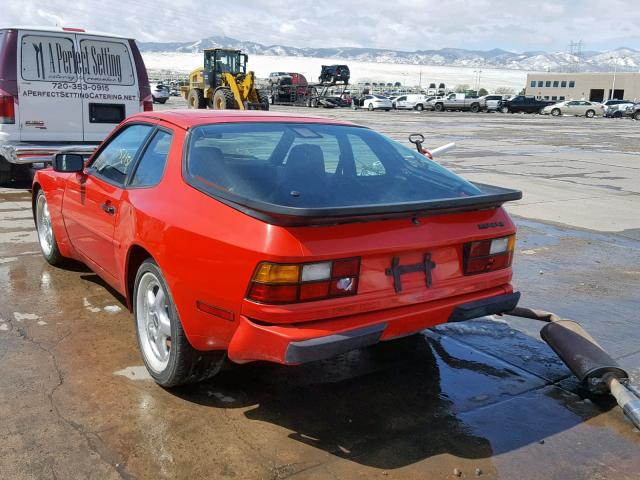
(62, 30)
(186, 119)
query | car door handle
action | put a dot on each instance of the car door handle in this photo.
(107, 207)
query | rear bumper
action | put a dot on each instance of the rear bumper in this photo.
(305, 342)
(25, 153)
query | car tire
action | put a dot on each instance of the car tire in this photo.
(419, 107)
(387, 109)
(636, 116)
(504, 109)
(556, 112)
(617, 114)
(162, 101)
(195, 98)
(167, 354)
(475, 108)
(44, 229)
(590, 113)
(370, 107)
(439, 107)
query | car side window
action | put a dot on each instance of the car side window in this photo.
(151, 165)
(115, 159)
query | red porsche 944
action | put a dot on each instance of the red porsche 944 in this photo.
(259, 236)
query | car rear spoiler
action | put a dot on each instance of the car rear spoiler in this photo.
(491, 197)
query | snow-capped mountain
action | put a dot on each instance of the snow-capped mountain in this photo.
(624, 59)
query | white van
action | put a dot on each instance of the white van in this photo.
(64, 87)
(411, 102)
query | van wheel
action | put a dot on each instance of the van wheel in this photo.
(439, 107)
(555, 112)
(504, 109)
(475, 108)
(419, 107)
(195, 98)
(636, 116)
(166, 352)
(5, 172)
(590, 114)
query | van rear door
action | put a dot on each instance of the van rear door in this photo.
(49, 87)
(110, 84)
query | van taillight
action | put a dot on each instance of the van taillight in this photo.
(147, 104)
(488, 255)
(7, 108)
(292, 283)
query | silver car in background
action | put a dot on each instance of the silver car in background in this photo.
(576, 108)
(159, 93)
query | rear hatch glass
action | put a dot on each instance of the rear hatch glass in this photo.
(106, 62)
(318, 170)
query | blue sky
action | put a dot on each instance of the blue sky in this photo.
(401, 24)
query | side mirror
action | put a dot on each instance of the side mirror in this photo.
(68, 162)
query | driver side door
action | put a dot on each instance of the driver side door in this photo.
(92, 198)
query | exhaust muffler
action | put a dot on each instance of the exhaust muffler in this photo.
(586, 359)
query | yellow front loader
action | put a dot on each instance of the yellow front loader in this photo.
(223, 83)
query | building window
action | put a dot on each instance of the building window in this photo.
(540, 83)
(547, 83)
(563, 84)
(546, 97)
(556, 84)
(561, 98)
(554, 98)
(572, 84)
(533, 83)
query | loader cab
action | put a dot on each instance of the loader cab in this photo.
(218, 61)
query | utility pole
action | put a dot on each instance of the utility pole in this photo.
(420, 77)
(613, 85)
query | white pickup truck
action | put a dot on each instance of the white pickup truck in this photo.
(458, 101)
(63, 88)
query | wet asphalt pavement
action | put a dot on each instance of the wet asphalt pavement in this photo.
(482, 399)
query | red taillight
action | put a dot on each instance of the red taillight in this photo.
(7, 108)
(293, 283)
(488, 255)
(147, 104)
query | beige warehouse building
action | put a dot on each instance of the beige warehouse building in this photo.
(595, 87)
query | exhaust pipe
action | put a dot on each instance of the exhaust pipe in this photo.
(587, 360)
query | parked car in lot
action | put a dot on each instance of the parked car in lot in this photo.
(523, 104)
(280, 78)
(59, 105)
(616, 108)
(334, 73)
(206, 222)
(372, 102)
(492, 102)
(575, 107)
(159, 93)
(298, 79)
(411, 102)
(634, 112)
(458, 101)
